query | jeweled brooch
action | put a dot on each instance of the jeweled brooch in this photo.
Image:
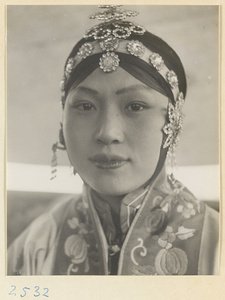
(109, 62)
(113, 12)
(136, 48)
(70, 66)
(175, 125)
(172, 79)
(109, 44)
(85, 50)
(157, 61)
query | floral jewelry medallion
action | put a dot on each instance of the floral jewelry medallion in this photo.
(109, 62)
(174, 127)
(70, 66)
(113, 12)
(157, 61)
(85, 50)
(172, 79)
(136, 48)
(109, 44)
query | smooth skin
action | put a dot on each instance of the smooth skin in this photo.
(109, 115)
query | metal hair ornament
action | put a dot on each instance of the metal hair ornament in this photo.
(113, 12)
(110, 36)
(174, 128)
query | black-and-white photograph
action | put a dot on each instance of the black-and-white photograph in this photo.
(113, 140)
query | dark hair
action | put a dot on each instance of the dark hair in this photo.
(138, 68)
(133, 65)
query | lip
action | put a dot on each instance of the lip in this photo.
(108, 161)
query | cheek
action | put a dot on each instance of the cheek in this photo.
(148, 130)
(149, 145)
(147, 141)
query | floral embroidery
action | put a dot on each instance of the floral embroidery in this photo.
(73, 223)
(76, 245)
(187, 211)
(186, 203)
(167, 238)
(169, 260)
(82, 207)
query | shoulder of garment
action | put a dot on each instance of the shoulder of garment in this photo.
(31, 250)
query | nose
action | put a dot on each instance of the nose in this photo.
(110, 128)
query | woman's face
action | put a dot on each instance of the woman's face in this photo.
(113, 131)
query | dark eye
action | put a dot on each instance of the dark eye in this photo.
(135, 107)
(85, 107)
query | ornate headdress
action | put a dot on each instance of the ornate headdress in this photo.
(111, 40)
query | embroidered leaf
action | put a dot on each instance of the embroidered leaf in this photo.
(185, 233)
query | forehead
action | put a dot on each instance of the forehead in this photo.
(112, 81)
(117, 82)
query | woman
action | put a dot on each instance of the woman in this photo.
(122, 94)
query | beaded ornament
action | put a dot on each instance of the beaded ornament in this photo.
(110, 36)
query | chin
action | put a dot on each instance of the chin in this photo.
(113, 188)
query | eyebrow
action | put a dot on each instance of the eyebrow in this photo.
(120, 91)
(87, 90)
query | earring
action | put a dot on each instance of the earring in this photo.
(61, 136)
(172, 130)
(170, 165)
(55, 147)
(54, 161)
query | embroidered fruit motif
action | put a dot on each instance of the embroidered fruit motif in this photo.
(171, 262)
(76, 248)
(156, 221)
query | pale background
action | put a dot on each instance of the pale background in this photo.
(39, 40)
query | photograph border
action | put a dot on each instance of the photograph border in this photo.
(100, 287)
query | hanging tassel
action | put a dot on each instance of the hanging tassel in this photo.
(171, 163)
(58, 145)
(54, 161)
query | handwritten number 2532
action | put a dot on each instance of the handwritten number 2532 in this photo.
(36, 292)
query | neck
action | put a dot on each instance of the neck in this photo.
(113, 201)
